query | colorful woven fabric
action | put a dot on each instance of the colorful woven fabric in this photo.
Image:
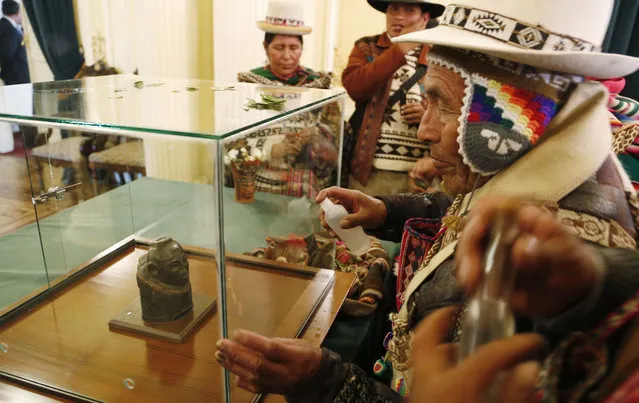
(417, 239)
(506, 109)
(581, 360)
(369, 270)
(303, 77)
(292, 182)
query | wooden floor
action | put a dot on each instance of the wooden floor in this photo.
(16, 208)
(17, 180)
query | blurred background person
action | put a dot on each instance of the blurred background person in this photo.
(384, 80)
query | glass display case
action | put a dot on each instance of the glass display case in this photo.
(155, 216)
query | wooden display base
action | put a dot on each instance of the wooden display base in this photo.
(130, 319)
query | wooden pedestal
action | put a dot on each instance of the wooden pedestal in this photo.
(131, 319)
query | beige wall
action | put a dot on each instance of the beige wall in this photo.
(238, 41)
(356, 19)
(157, 37)
(177, 38)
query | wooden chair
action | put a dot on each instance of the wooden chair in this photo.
(125, 157)
(65, 153)
(69, 152)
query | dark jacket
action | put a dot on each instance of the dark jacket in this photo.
(14, 68)
(341, 383)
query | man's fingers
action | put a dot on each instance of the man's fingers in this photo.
(247, 385)
(273, 349)
(495, 357)
(354, 220)
(519, 385)
(234, 367)
(470, 251)
(413, 117)
(238, 355)
(531, 253)
(434, 356)
(539, 223)
(335, 192)
(265, 346)
(413, 112)
(413, 120)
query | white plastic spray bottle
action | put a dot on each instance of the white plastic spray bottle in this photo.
(355, 239)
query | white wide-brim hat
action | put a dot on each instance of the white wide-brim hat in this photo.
(284, 17)
(558, 35)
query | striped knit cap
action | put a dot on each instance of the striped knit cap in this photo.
(507, 106)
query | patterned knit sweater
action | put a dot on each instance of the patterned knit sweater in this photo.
(398, 148)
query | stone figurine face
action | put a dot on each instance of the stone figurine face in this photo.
(167, 262)
(439, 127)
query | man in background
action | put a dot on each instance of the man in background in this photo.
(384, 80)
(14, 67)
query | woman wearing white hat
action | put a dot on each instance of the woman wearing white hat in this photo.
(510, 114)
(284, 28)
(292, 144)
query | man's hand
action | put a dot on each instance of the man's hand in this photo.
(555, 269)
(264, 365)
(364, 210)
(406, 47)
(422, 175)
(412, 113)
(436, 378)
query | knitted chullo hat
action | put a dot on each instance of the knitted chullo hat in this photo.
(506, 108)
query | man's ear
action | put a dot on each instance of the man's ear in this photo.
(426, 17)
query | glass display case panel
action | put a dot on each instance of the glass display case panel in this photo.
(191, 108)
(95, 238)
(121, 163)
(20, 242)
(272, 177)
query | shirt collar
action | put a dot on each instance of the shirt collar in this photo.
(384, 41)
(15, 24)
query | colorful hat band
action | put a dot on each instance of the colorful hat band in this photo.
(512, 31)
(287, 22)
(506, 108)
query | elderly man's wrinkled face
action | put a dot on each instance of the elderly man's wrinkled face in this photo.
(445, 93)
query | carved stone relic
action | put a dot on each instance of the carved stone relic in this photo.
(163, 280)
